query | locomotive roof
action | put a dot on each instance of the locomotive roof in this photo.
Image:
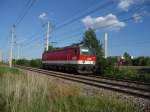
(71, 46)
(62, 48)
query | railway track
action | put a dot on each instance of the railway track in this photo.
(133, 88)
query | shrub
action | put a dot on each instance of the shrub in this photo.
(24, 62)
(36, 63)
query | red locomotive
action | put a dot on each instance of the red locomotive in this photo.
(75, 58)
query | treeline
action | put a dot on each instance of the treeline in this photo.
(32, 63)
(129, 61)
(141, 61)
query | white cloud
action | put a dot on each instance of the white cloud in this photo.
(43, 16)
(125, 4)
(109, 22)
(137, 18)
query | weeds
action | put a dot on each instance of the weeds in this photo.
(130, 74)
(33, 93)
(6, 70)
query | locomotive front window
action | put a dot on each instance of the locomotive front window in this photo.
(87, 51)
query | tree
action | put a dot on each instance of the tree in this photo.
(36, 63)
(141, 61)
(127, 58)
(148, 61)
(90, 40)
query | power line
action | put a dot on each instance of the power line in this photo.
(23, 10)
(105, 26)
(85, 14)
(134, 9)
(30, 38)
(19, 20)
(118, 15)
(100, 7)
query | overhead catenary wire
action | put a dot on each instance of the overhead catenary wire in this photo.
(109, 25)
(29, 5)
(78, 17)
(126, 19)
(102, 27)
(92, 11)
(85, 14)
(23, 10)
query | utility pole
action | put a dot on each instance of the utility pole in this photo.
(47, 36)
(11, 46)
(105, 44)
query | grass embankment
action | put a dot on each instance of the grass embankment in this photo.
(127, 73)
(26, 92)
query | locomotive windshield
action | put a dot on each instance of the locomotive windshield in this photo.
(87, 51)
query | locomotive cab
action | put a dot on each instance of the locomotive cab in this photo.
(87, 60)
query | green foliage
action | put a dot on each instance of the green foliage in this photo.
(148, 61)
(127, 58)
(91, 41)
(6, 70)
(112, 60)
(126, 73)
(24, 62)
(91, 104)
(33, 63)
(141, 61)
(36, 63)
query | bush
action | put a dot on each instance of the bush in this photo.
(32, 63)
(36, 63)
(24, 62)
(103, 66)
(126, 73)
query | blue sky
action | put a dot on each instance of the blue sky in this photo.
(130, 36)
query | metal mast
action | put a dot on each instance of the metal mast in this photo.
(11, 46)
(105, 44)
(47, 36)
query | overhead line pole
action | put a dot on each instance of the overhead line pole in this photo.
(11, 46)
(105, 44)
(47, 36)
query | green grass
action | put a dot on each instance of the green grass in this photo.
(91, 104)
(33, 93)
(127, 73)
(6, 70)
